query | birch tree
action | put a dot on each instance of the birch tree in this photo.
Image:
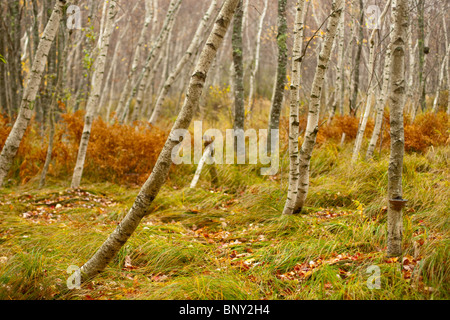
(160, 172)
(370, 87)
(255, 62)
(238, 63)
(312, 127)
(397, 102)
(56, 96)
(340, 67)
(280, 81)
(141, 81)
(182, 63)
(294, 106)
(356, 72)
(94, 95)
(437, 96)
(444, 70)
(137, 54)
(14, 139)
(380, 105)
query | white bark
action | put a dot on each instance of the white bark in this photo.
(371, 88)
(206, 155)
(141, 82)
(136, 57)
(94, 95)
(255, 65)
(160, 171)
(340, 66)
(380, 104)
(312, 127)
(12, 143)
(182, 63)
(397, 102)
(444, 68)
(294, 112)
(437, 96)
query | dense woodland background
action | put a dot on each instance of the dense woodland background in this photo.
(231, 226)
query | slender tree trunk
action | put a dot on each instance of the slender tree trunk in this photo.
(182, 63)
(444, 65)
(12, 143)
(238, 63)
(94, 95)
(370, 87)
(112, 69)
(141, 81)
(412, 65)
(294, 108)
(397, 102)
(159, 175)
(355, 89)
(255, 63)
(421, 44)
(278, 94)
(312, 127)
(340, 67)
(380, 103)
(136, 57)
(56, 97)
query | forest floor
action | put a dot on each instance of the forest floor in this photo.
(232, 242)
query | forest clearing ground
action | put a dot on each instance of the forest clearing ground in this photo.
(232, 242)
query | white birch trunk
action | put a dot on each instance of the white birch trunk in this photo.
(141, 82)
(397, 102)
(437, 96)
(206, 155)
(94, 95)
(294, 112)
(340, 66)
(255, 64)
(136, 57)
(380, 104)
(371, 88)
(12, 143)
(182, 63)
(312, 127)
(160, 171)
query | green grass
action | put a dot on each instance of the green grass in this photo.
(232, 242)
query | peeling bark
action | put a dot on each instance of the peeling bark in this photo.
(160, 172)
(312, 127)
(12, 143)
(397, 102)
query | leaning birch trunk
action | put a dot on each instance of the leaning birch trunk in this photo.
(380, 104)
(12, 143)
(397, 102)
(141, 82)
(255, 64)
(312, 127)
(181, 64)
(206, 155)
(160, 171)
(94, 95)
(294, 112)
(137, 54)
(278, 93)
(371, 88)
